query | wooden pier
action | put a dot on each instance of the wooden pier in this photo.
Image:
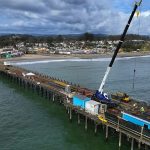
(50, 89)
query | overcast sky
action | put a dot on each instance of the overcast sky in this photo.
(72, 16)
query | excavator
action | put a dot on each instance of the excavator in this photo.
(100, 95)
(121, 96)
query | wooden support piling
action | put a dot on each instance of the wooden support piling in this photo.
(20, 82)
(49, 95)
(68, 110)
(139, 145)
(120, 136)
(23, 81)
(53, 97)
(86, 120)
(70, 116)
(95, 130)
(46, 93)
(42, 92)
(38, 89)
(128, 138)
(142, 128)
(78, 118)
(132, 144)
(103, 127)
(146, 147)
(33, 87)
(60, 100)
(106, 132)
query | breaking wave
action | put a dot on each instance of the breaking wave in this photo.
(70, 60)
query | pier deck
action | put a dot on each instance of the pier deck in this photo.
(54, 89)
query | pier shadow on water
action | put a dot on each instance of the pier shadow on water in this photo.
(29, 122)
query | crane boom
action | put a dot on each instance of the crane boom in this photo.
(118, 46)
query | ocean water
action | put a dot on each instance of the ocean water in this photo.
(28, 122)
(89, 73)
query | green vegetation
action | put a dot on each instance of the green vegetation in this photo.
(130, 46)
(132, 42)
(146, 46)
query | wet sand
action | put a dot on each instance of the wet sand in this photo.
(82, 56)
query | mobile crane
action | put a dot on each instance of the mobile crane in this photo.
(100, 95)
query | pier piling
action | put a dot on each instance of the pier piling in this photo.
(139, 145)
(57, 93)
(68, 110)
(95, 130)
(70, 116)
(132, 144)
(53, 97)
(78, 118)
(120, 136)
(106, 133)
(86, 120)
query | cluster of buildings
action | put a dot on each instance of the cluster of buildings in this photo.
(83, 47)
(9, 52)
(68, 47)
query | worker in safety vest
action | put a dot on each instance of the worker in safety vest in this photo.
(142, 110)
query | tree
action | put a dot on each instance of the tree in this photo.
(59, 38)
(87, 37)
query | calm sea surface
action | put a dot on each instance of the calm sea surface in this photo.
(28, 122)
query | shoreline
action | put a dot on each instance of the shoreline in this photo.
(31, 57)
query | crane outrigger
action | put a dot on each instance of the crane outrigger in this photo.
(100, 95)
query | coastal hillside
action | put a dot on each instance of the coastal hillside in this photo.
(86, 43)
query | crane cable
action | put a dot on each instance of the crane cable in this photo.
(139, 25)
(134, 71)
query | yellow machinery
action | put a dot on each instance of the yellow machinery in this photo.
(100, 117)
(60, 83)
(120, 96)
(102, 110)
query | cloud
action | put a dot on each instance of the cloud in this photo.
(69, 16)
(23, 5)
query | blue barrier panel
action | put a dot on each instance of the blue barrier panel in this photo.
(135, 120)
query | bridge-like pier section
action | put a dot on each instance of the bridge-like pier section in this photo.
(54, 90)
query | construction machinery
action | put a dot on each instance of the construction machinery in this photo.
(100, 95)
(121, 96)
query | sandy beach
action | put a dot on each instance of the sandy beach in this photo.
(29, 57)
